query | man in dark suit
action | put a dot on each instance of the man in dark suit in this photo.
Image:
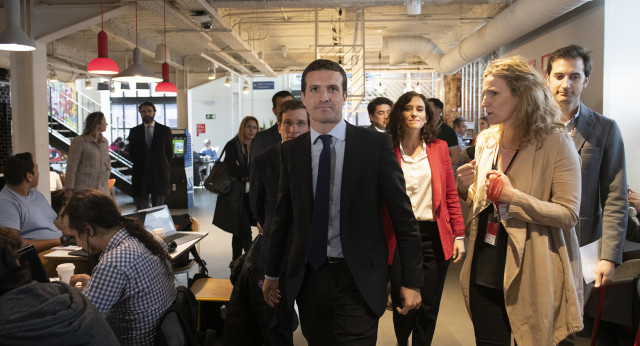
(334, 181)
(150, 150)
(265, 139)
(603, 209)
(265, 173)
(379, 109)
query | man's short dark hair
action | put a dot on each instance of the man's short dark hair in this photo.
(323, 64)
(458, 121)
(371, 107)
(571, 52)
(16, 168)
(280, 94)
(291, 105)
(146, 103)
(436, 102)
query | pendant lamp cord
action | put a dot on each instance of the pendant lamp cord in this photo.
(136, 23)
(102, 15)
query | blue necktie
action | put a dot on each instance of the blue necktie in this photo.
(320, 219)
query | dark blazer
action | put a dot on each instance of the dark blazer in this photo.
(228, 212)
(265, 139)
(265, 171)
(372, 128)
(603, 208)
(161, 152)
(371, 177)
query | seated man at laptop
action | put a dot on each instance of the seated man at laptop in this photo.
(35, 313)
(23, 208)
(132, 282)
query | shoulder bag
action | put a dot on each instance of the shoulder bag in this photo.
(219, 180)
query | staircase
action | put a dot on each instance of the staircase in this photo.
(60, 136)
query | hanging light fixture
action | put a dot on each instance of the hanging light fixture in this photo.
(12, 37)
(245, 88)
(227, 82)
(165, 86)
(212, 73)
(53, 76)
(102, 64)
(137, 73)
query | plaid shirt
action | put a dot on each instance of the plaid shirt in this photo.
(132, 289)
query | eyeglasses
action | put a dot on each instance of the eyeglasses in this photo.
(289, 123)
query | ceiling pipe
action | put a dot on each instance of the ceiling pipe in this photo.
(512, 23)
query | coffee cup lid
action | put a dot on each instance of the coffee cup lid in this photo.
(66, 266)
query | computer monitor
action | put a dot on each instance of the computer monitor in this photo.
(29, 259)
(178, 146)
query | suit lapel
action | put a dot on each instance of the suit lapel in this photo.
(302, 155)
(434, 163)
(584, 123)
(354, 154)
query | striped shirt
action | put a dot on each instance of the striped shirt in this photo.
(132, 288)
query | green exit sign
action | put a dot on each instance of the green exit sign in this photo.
(210, 116)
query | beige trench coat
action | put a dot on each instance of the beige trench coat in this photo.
(543, 277)
(88, 165)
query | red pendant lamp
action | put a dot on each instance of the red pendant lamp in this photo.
(165, 86)
(102, 64)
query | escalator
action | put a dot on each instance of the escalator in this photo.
(60, 136)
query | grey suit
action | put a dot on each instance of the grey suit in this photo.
(603, 209)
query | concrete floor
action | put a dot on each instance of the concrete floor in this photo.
(454, 325)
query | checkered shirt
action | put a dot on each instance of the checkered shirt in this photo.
(132, 289)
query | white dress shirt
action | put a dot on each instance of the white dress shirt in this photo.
(417, 177)
(338, 135)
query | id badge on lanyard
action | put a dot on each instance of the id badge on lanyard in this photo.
(500, 212)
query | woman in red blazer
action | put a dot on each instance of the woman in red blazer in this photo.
(432, 189)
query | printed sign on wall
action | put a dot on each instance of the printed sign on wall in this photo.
(200, 128)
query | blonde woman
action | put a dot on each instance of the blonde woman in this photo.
(89, 165)
(522, 276)
(233, 213)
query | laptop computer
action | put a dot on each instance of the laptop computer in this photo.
(160, 217)
(29, 259)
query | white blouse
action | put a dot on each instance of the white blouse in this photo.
(417, 177)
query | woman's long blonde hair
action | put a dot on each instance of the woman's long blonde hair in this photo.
(243, 123)
(536, 115)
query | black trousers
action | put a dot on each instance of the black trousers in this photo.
(147, 189)
(422, 322)
(281, 320)
(332, 310)
(241, 239)
(489, 316)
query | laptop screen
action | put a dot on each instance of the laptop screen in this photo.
(156, 217)
(30, 260)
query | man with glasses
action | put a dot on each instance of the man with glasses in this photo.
(276, 324)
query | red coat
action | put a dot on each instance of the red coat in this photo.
(446, 205)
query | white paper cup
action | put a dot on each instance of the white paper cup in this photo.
(158, 232)
(65, 271)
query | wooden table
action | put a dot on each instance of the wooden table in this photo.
(211, 290)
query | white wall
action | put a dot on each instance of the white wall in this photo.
(583, 26)
(230, 105)
(620, 71)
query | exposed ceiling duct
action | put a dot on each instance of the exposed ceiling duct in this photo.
(400, 47)
(512, 23)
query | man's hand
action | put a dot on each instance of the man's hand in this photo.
(605, 271)
(458, 250)
(81, 278)
(411, 299)
(634, 200)
(271, 292)
(466, 176)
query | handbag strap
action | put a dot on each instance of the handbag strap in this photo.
(201, 263)
(221, 155)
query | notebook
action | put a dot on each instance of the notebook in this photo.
(30, 260)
